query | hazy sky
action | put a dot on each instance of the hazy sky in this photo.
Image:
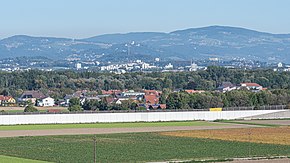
(86, 18)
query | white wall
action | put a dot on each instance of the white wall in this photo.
(128, 117)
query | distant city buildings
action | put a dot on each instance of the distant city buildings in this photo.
(137, 65)
(169, 66)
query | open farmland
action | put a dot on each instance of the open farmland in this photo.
(277, 135)
(111, 128)
(132, 147)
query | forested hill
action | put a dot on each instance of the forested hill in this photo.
(195, 43)
(59, 83)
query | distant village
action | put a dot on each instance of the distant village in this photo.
(149, 99)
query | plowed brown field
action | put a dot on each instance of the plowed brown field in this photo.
(279, 135)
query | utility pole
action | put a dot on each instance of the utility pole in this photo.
(95, 149)
(249, 134)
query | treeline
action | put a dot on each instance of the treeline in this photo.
(184, 100)
(236, 98)
(103, 105)
(59, 83)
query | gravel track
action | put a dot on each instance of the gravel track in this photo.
(84, 131)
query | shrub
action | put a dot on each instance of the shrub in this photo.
(75, 108)
(30, 108)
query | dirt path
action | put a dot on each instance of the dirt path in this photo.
(38, 108)
(82, 131)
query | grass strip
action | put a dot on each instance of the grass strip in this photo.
(108, 125)
(9, 159)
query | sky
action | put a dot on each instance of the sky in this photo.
(87, 18)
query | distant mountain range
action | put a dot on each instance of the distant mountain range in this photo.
(195, 43)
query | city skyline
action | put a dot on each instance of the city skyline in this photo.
(76, 19)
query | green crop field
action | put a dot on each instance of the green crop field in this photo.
(132, 147)
(107, 125)
(7, 159)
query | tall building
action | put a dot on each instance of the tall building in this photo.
(78, 66)
(193, 67)
(169, 66)
(280, 65)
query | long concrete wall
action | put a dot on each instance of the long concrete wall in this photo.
(128, 117)
(277, 115)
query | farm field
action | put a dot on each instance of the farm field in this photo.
(265, 123)
(7, 159)
(283, 122)
(108, 125)
(275, 135)
(133, 147)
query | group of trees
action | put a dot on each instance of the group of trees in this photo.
(101, 105)
(184, 100)
(30, 107)
(74, 104)
(59, 83)
(237, 98)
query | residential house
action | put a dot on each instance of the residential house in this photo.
(119, 99)
(45, 102)
(77, 94)
(155, 106)
(97, 98)
(7, 101)
(193, 91)
(108, 100)
(31, 96)
(152, 92)
(118, 102)
(226, 87)
(132, 93)
(111, 92)
(151, 99)
(254, 87)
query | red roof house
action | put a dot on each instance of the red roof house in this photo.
(151, 99)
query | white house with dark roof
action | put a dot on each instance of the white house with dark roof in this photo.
(226, 87)
(46, 102)
(31, 96)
